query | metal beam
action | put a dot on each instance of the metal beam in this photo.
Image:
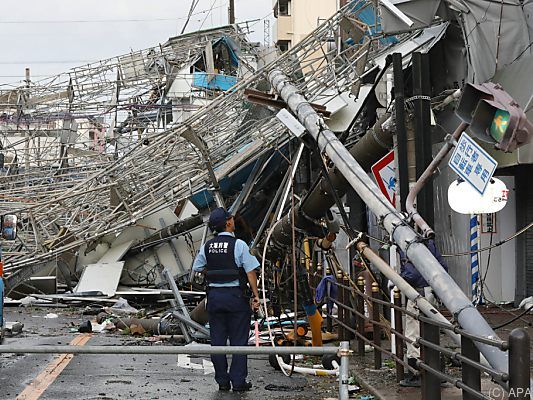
(401, 130)
(393, 221)
(195, 349)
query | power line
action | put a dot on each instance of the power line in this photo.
(466, 253)
(209, 12)
(20, 76)
(194, 3)
(90, 21)
(45, 62)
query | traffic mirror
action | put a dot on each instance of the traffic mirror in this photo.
(464, 199)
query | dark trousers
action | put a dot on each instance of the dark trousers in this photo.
(229, 318)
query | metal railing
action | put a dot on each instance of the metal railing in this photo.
(350, 302)
(342, 351)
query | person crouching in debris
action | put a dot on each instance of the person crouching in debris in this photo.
(229, 268)
(412, 327)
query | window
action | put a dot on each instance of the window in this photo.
(284, 45)
(284, 7)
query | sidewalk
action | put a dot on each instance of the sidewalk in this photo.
(382, 383)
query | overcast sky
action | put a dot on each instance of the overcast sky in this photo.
(52, 36)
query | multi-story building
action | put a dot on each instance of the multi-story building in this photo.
(296, 18)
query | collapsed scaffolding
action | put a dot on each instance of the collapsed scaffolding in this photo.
(167, 168)
(228, 135)
(67, 125)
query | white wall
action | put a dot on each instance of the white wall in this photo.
(500, 283)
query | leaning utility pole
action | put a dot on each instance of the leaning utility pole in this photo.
(394, 222)
(231, 12)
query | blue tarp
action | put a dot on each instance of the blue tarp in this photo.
(368, 16)
(321, 291)
(219, 82)
(228, 185)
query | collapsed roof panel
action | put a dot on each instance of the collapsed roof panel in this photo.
(494, 33)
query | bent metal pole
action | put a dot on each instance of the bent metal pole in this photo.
(402, 234)
(421, 302)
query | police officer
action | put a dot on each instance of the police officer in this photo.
(229, 268)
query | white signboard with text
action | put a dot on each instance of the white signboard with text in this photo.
(473, 164)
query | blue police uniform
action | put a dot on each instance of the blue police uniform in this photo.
(227, 260)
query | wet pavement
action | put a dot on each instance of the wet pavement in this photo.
(132, 376)
(162, 377)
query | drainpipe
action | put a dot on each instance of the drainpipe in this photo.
(427, 231)
(422, 122)
(402, 234)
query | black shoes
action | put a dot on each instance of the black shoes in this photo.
(411, 381)
(224, 388)
(243, 388)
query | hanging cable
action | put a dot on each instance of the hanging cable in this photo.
(208, 13)
(515, 318)
(467, 253)
(194, 3)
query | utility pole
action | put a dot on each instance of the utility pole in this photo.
(401, 130)
(422, 93)
(231, 13)
(27, 132)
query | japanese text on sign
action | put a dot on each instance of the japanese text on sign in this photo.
(472, 163)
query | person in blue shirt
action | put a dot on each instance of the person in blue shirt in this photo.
(229, 268)
(412, 328)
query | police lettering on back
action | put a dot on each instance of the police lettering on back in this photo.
(218, 248)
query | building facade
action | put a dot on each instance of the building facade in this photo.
(295, 19)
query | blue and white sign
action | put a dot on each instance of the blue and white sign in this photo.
(472, 163)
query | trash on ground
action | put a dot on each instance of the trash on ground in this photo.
(13, 328)
(85, 327)
(284, 388)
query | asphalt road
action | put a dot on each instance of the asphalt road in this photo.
(128, 376)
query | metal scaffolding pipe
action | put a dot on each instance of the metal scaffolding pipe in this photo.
(167, 233)
(427, 231)
(203, 350)
(420, 301)
(393, 221)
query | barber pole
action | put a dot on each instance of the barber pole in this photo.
(474, 258)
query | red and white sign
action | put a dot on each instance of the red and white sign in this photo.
(384, 172)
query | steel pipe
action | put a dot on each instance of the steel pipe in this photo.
(203, 350)
(420, 301)
(427, 231)
(344, 373)
(394, 223)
